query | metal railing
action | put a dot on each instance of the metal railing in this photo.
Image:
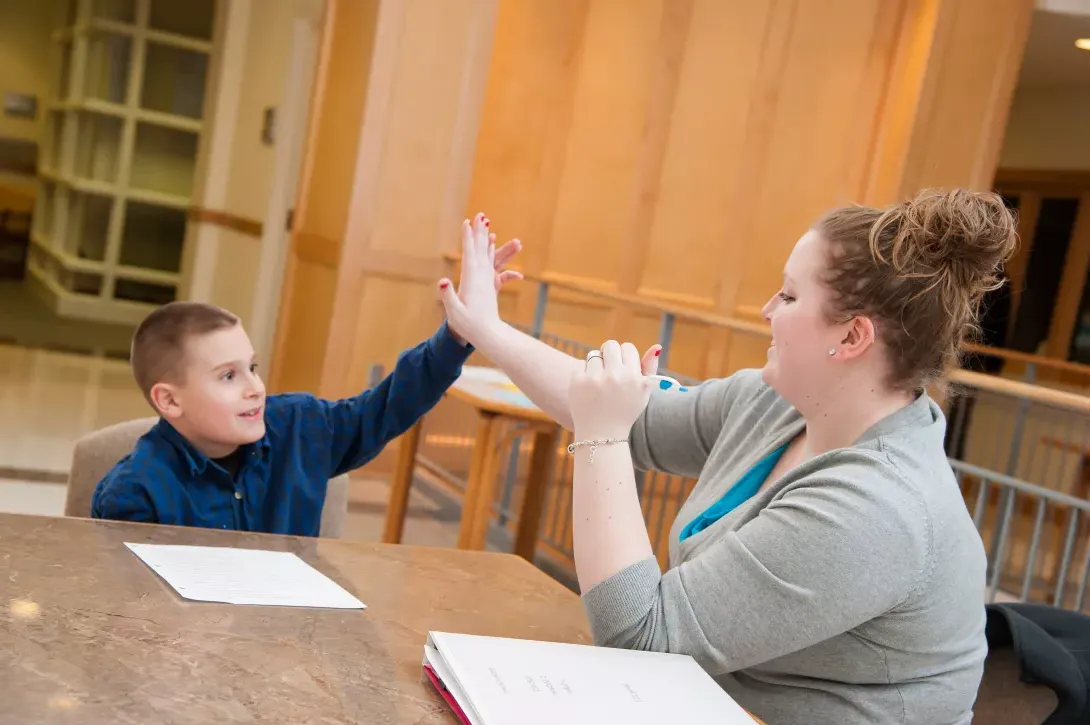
(1020, 452)
(1035, 538)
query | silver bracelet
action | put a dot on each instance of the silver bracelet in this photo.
(594, 445)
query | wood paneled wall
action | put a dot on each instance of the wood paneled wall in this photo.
(678, 149)
(674, 149)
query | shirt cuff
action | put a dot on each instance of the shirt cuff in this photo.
(621, 602)
(446, 347)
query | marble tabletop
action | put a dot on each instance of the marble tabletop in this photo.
(90, 635)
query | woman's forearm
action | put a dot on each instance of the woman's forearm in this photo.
(607, 522)
(542, 372)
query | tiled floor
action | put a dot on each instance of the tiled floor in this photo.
(49, 399)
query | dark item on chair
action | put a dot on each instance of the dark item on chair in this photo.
(1052, 647)
(14, 244)
(96, 453)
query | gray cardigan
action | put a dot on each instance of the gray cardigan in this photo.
(850, 591)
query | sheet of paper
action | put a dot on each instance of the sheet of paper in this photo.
(244, 576)
(510, 680)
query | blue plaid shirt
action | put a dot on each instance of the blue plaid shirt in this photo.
(280, 485)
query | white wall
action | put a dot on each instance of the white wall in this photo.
(230, 272)
(1049, 128)
(267, 58)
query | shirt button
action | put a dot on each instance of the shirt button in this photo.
(238, 495)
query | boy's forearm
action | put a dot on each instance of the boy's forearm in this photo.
(540, 371)
(363, 424)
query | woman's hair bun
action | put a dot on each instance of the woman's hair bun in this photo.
(959, 238)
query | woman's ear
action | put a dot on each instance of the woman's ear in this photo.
(858, 336)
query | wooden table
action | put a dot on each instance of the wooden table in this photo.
(89, 634)
(493, 396)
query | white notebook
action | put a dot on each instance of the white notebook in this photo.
(493, 681)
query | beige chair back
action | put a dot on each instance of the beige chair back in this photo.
(97, 452)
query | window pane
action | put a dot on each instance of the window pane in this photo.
(153, 237)
(88, 226)
(84, 283)
(43, 210)
(163, 159)
(71, 10)
(123, 11)
(98, 146)
(64, 69)
(156, 294)
(108, 61)
(191, 17)
(60, 219)
(53, 138)
(174, 81)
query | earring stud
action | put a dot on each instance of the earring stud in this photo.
(832, 351)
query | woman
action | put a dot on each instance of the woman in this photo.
(825, 568)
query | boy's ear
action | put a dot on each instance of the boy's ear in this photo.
(165, 400)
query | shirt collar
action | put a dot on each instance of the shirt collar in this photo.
(920, 412)
(196, 460)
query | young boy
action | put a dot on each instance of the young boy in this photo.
(225, 456)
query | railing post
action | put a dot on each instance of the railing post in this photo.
(1031, 373)
(1016, 436)
(539, 309)
(995, 565)
(509, 484)
(666, 333)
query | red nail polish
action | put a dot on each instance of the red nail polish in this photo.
(443, 285)
(658, 352)
(487, 223)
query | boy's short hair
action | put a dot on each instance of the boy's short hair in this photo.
(158, 345)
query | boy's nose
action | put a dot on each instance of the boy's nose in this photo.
(256, 388)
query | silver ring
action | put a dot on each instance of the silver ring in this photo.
(594, 354)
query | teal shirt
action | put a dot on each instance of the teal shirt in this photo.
(748, 485)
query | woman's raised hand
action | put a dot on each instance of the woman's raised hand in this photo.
(476, 303)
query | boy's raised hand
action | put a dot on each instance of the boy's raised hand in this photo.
(476, 303)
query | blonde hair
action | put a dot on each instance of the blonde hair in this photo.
(919, 270)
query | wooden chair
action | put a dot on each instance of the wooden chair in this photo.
(96, 453)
